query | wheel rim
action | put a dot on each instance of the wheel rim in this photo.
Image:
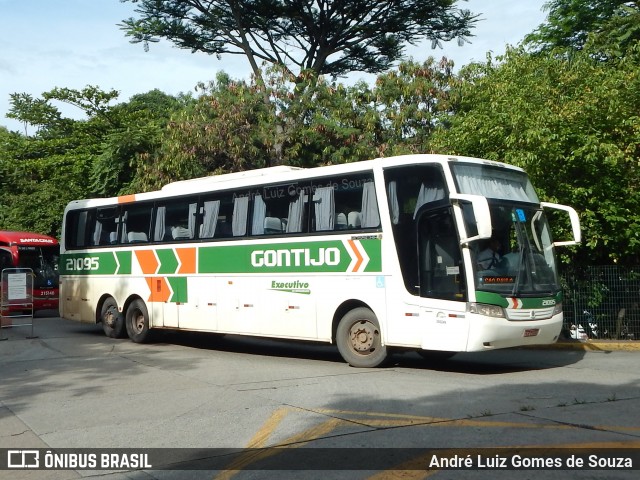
(137, 321)
(363, 336)
(109, 317)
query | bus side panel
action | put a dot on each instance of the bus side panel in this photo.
(241, 306)
(292, 303)
(334, 291)
(274, 306)
(428, 324)
(75, 302)
(200, 308)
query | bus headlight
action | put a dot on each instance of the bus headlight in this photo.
(485, 309)
(557, 309)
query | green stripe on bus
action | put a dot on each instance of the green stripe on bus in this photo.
(103, 263)
(332, 256)
(301, 257)
(124, 259)
(373, 249)
(168, 261)
(179, 288)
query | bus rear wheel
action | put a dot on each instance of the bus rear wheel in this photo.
(112, 320)
(359, 340)
(137, 321)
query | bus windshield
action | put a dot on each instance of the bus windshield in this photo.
(494, 182)
(519, 259)
(44, 263)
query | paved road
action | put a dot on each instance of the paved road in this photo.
(74, 388)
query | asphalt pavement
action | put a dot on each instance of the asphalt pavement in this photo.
(65, 385)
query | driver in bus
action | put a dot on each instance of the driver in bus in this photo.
(490, 257)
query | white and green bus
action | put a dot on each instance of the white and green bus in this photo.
(371, 256)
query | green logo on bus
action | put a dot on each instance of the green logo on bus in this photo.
(329, 256)
(295, 286)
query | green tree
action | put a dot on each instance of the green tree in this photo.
(413, 100)
(331, 37)
(40, 176)
(230, 128)
(301, 38)
(68, 159)
(35, 112)
(611, 26)
(132, 140)
(573, 125)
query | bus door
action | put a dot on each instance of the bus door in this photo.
(441, 280)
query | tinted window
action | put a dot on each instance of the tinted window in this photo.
(105, 227)
(279, 210)
(136, 223)
(224, 215)
(345, 203)
(175, 220)
(79, 228)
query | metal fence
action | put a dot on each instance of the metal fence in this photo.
(604, 301)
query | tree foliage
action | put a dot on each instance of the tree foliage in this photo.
(607, 27)
(413, 100)
(66, 159)
(132, 140)
(224, 130)
(313, 122)
(329, 37)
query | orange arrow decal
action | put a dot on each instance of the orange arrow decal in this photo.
(147, 260)
(159, 288)
(358, 264)
(187, 258)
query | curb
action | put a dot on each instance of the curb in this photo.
(596, 345)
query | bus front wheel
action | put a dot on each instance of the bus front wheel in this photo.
(359, 340)
(137, 321)
(112, 320)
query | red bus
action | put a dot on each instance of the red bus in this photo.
(41, 254)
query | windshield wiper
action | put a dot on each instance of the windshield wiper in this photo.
(525, 246)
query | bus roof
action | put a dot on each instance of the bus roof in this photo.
(226, 177)
(281, 173)
(10, 238)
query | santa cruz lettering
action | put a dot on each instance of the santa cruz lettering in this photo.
(296, 257)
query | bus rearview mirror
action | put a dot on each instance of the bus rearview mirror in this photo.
(575, 223)
(481, 214)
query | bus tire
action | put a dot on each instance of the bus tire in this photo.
(359, 340)
(137, 321)
(112, 320)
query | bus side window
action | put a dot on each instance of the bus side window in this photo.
(345, 203)
(216, 216)
(105, 229)
(136, 223)
(175, 220)
(279, 210)
(80, 228)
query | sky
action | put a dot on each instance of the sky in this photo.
(46, 44)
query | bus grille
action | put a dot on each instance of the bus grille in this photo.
(529, 314)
